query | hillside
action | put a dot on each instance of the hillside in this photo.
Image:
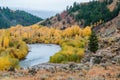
(109, 42)
(92, 13)
(10, 17)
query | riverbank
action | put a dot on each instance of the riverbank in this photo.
(105, 66)
(39, 53)
(70, 71)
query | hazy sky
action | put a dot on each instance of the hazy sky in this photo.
(47, 5)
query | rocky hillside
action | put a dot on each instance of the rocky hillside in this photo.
(92, 13)
(10, 17)
(109, 44)
(110, 35)
(109, 38)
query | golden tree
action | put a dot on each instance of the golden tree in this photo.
(87, 31)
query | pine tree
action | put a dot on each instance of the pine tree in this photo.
(93, 42)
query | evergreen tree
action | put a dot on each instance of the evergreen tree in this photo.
(93, 42)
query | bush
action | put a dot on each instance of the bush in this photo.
(6, 62)
(12, 49)
(71, 51)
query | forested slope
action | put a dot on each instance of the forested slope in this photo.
(10, 17)
(93, 13)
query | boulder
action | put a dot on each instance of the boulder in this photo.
(32, 71)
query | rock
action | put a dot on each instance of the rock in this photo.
(43, 77)
(81, 74)
(32, 71)
(118, 75)
(64, 68)
(72, 65)
(59, 70)
(71, 78)
(115, 48)
(118, 24)
(113, 62)
(5, 75)
(108, 75)
(97, 78)
(11, 69)
(95, 60)
(103, 60)
(59, 78)
(5, 78)
(86, 68)
(117, 59)
(104, 66)
(86, 58)
(52, 70)
(67, 71)
(18, 75)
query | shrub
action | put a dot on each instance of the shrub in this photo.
(6, 62)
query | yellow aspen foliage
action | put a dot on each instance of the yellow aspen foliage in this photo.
(16, 34)
(77, 37)
(12, 30)
(57, 34)
(4, 63)
(29, 35)
(46, 41)
(80, 33)
(19, 26)
(35, 26)
(87, 31)
(25, 35)
(81, 52)
(6, 42)
(1, 43)
(52, 32)
(75, 29)
(5, 39)
(67, 33)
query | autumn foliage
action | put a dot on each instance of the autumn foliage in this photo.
(42, 34)
(11, 50)
(72, 41)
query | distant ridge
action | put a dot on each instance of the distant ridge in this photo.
(41, 13)
(10, 17)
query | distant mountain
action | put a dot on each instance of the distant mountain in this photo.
(93, 13)
(42, 14)
(10, 17)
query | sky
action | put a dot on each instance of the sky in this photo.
(46, 5)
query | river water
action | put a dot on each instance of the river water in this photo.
(39, 53)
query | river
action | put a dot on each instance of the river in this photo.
(39, 53)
